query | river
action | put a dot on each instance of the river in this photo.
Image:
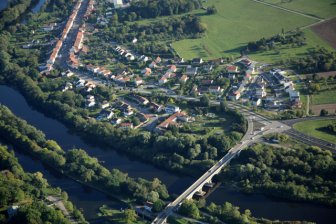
(90, 200)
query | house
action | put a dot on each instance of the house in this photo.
(146, 71)
(126, 126)
(294, 95)
(195, 90)
(138, 81)
(197, 61)
(105, 115)
(91, 103)
(90, 87)
(172, 68)
(170, 109)
(215, 89)
(156, 107)
(260, 92)
(245, 62)
(130, 57)
(191, 71)
(67, 74)
(80, 83)
(90, 98)
(208, 68)
(171, 120)
(153, 64)
(232, 76)
(118, 3)
(49, 27)
(128, 112)
(135, 40)
(68, 86)
(116, 121)
(143, 58)
(184, 78)
(163, 80)
(141, 100)
(256, 101)
(206, 82)
(158, 60)
(105, 104)
(234, 95)
(232, 69)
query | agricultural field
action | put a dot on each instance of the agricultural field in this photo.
(327, 31)
(318, 8)
(324, 97)
(238, 22)
(313, 128)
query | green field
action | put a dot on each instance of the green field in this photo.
(319, 8)
(324, 97)
(241, 21)
(288, 52)
(311, 128)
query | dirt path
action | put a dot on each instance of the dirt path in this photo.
(289, 10)
(308, 105)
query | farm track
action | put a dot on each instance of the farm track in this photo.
(291, 11)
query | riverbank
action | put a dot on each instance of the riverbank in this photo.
(282, 210)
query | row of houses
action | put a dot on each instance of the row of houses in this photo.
(78, 45)
(65, 32)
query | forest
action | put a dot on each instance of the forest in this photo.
(155, 8)
(151, 36)
(28, 191)
(318, 60)
(295, 38)
(299, 174)
(76, 163)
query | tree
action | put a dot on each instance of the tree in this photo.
(158, 206)
(189, 208)
(324, 113)
(129, 216)
(205, 101)
(211, 10)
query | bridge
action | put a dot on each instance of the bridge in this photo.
(251, 136)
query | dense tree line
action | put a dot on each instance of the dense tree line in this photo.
(14, 11)
(77, 163)
(295, 38)
(301, 173)
(318, 60)
(331, 128)
(230, 214)
(151, 36)
(28, 191)
(155, 8)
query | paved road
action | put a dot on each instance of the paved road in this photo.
(64, 53)
(291, 122)
(310, 140)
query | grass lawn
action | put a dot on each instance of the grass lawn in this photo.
(319, 8)
(284, 53)
(235, 24)
(115, 216)
(324, 97)
(311, 128)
